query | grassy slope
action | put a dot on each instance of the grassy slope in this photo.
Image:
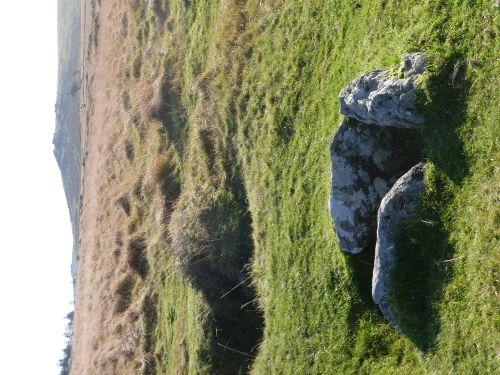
(272, 75)
(182, 328)
(318, 313)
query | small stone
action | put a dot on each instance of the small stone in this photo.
(366, 161)
(398, 205)
(414, 64)
(375, 98)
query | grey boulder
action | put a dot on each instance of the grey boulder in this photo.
(365, 163)
(398, 205)
(376, 98)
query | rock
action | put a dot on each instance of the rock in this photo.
(399, 204)
(376, 98)
(366, 161)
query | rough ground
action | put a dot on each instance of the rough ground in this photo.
(215, 117)
(99, 267)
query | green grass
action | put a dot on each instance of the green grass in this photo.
(258, 87)
(318, 314)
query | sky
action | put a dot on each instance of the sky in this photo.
(35, 233)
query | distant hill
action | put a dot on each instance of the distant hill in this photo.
(67, 149)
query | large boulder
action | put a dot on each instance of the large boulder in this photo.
(398, 205)
(379, 99)
(366, 161)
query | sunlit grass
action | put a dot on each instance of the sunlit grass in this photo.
(247, 114)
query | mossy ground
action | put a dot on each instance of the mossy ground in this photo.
(251, 93)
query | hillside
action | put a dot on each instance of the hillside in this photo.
(206, 244)
(67, 134)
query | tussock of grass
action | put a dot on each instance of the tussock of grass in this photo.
(124, 292)
(163, 180)
(137, 255)
(208, 243)
(136, 67)
(124, 204)
(150, 318)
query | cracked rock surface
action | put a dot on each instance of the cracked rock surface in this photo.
(398, 205)
(365, 164)
(376, 98)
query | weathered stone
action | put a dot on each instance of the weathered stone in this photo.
(376, 98)
(399, 204)
(366, 161)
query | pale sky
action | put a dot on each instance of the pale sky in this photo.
(35, 232)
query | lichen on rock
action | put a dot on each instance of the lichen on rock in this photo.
(379, 99)
(366, 152)
(365, 164)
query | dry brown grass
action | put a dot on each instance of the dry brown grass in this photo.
(137, 135)
(149, 99)
(114, 268)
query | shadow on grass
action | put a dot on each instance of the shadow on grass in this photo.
(423, 267)
(236, 322)
(424, 263)
(443, 101)
(236, 331)
(212, 246)
(171, 112)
